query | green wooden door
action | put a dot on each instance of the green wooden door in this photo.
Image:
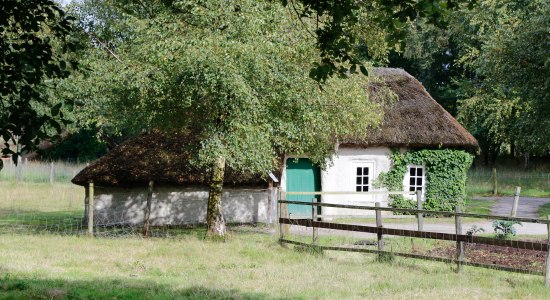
(302, 176)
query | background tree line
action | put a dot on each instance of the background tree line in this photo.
(490, 67)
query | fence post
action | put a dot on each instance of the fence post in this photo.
(547, 278)
(419, 216)
(283, 213)
(147, 214)
(51, 172)
(495, 182)
(459, 244)
(91, 208)
(314, 219)
(379, 225)
(19, 164)
(279, 215)
(516, 201)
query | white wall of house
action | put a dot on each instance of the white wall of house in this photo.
(179, 205)
(342, 176)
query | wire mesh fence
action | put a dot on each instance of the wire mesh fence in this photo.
(533, 183)
(60, 208)
(499, 242)
(39, 171)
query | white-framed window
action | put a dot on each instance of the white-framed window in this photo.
(363, 176)
(415, 179)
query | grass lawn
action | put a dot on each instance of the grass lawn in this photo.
(252, 265)
(482, 207)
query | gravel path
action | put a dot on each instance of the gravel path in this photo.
(527, 207)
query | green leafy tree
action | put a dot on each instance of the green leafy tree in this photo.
(506, 50)
(489, 67)
(231, 76)
(82, 145)
(36, 42)
(340, 36)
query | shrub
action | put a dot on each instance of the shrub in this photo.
(505, 229)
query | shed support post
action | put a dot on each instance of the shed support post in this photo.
(86, 203)
(147, 214)
(270, 202)
(91, 209)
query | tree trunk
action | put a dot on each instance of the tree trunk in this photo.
(214, 216)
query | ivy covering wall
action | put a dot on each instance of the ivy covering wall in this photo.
(446, 173)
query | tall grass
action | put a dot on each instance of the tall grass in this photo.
(532, 183)
(41, 197)
(39, 172)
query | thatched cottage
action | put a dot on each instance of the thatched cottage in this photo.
(415, 121)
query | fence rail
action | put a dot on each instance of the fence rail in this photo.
(458, 237)
(418, 211)
(411, 255)
(418, 234)
(351, 193)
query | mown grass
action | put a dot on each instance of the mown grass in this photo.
(482, 207)
(251, 265)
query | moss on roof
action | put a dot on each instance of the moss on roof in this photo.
(159, 157)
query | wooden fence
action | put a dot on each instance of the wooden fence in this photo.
(380, 231)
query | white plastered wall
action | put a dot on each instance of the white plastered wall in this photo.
(340, 177)
(178, 205)
(342, 174)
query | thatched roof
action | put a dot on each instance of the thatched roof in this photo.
(158, 157)
(415, 120)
